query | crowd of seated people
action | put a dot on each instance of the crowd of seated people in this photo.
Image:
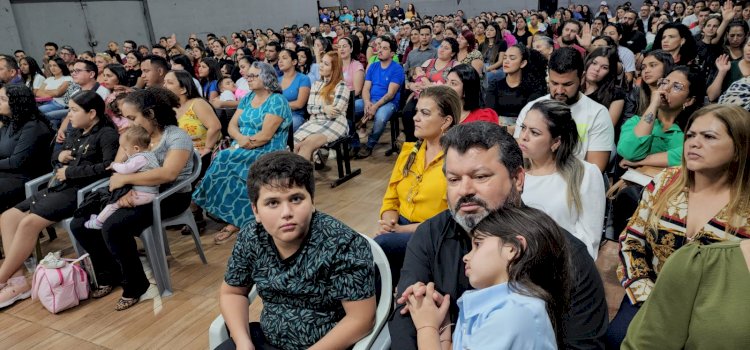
(501, 113)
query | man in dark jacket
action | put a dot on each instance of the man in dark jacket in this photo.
(484, 170)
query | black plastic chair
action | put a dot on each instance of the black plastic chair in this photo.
(341, 147)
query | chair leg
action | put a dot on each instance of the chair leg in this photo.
(197, 238)
(394, 134)
(155, 255)
(38, 251)
(344, 165)
(51, 233)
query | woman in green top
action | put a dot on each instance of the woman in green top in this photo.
(694, 305)
(729, 71)
(656, 138)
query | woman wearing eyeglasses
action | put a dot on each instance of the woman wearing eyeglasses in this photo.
(656, 137)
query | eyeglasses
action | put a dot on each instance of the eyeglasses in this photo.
(252, 76)
(76, 71)
(665, 84)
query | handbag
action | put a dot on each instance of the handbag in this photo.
(60, 288)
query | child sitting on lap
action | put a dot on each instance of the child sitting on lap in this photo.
(135, 142)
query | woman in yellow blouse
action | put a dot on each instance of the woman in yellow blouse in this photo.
(198, 119)
(416, 190)
(705, 200)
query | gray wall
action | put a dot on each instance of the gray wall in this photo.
(10, 40)
(441, 7)
(223, 17)
(28, 24)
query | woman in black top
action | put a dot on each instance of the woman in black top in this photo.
(599, 81)
(25, 137)
(84, 158)
(524, 82)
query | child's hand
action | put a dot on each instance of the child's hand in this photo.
(109, 167)
(425, 312)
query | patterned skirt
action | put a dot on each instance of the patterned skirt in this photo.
(332, 129)
(223, 191)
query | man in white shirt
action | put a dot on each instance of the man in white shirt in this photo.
(84, 74)
(597, 134)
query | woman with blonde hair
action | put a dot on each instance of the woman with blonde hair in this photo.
(329, 99)
(704, 200)
(102, 59)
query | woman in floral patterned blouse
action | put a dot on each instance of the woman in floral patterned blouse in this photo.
(705, 200)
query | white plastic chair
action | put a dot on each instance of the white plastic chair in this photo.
(218, 332)
(155, 243)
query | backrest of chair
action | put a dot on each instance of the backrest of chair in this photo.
(385, 304)
(350, 107)
(290, 137)
(197, 164)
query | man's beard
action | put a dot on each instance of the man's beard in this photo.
(567, 100)
(569, 42)
(469, 221)
(627, 28)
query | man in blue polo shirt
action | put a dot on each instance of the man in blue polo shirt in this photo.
(380, 95)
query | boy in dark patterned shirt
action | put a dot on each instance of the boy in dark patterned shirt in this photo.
(314, 274)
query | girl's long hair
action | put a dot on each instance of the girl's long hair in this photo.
(542, 267)
(605, 89)
(337, 75)
(561, 125)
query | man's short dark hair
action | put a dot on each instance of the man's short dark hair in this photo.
(441, 22)
(157, 46)
(280, 169)
(90, 66)
(131, 42)
(275, 44)
(10, 62)
(566, 60)
(158, 62)
(464, 137)
(425, 27)
(578, 24)
(391, 42)
(51, 44)
(69, 49)
(19, 51)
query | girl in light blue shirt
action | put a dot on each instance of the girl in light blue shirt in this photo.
(519, 267)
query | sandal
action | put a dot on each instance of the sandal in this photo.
(102, 292)
(224, 235)
(124, 304)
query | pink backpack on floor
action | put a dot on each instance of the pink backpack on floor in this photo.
(61, 288)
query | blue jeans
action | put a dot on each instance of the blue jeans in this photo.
(394, 247)
(382, 115)
(495, 76)
(297, 120)
(55, 112)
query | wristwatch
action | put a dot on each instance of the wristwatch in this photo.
(649, 118)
